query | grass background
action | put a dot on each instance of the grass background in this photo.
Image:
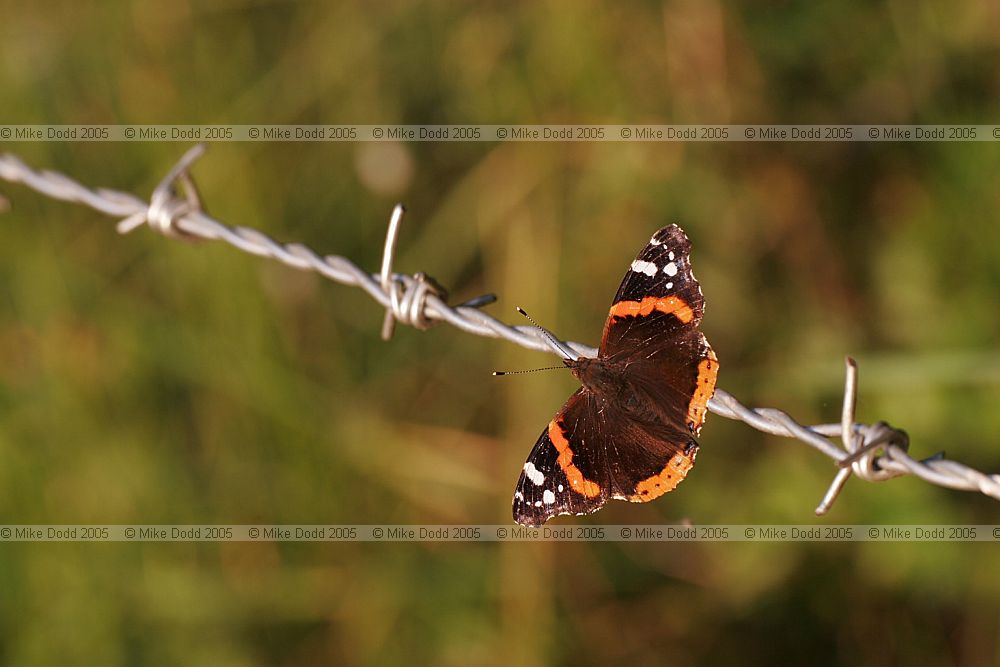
(155, 382)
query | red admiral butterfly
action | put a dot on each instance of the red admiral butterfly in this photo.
(628, 432)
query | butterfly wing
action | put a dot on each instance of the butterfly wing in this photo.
(553, 481)
(652, 326)
(591, 452)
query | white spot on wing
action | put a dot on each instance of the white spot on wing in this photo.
(670, 269)
(560, 488)
(671, 256)
(519, 497)
(653, 241)
(640, 266)
(670, 285)
(534, 474)
(548, 497)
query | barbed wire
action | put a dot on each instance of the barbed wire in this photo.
(873, 452)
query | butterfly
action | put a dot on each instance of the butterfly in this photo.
(629, 432)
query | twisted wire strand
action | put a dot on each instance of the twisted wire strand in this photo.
(873, 452)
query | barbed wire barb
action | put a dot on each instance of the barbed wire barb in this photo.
(860, 449)
(164, 205)
(872, 452)
(391, 236)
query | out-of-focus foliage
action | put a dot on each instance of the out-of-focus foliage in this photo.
(148, 381)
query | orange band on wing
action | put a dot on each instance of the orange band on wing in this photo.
(667, 480)
(577, 482)
(671, 305)
(708, 371)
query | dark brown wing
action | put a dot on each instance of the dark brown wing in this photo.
(592, 452)
(662, 270)
(552, 480)
(653, 328)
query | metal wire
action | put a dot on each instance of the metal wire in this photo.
(873, 452)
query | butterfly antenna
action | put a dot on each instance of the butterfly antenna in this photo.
(556, 343)
(530, 370)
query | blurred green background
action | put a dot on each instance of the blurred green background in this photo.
(156, 382)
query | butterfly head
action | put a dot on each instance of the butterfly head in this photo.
(599, 375)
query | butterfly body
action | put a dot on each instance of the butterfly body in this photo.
(628, 432)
